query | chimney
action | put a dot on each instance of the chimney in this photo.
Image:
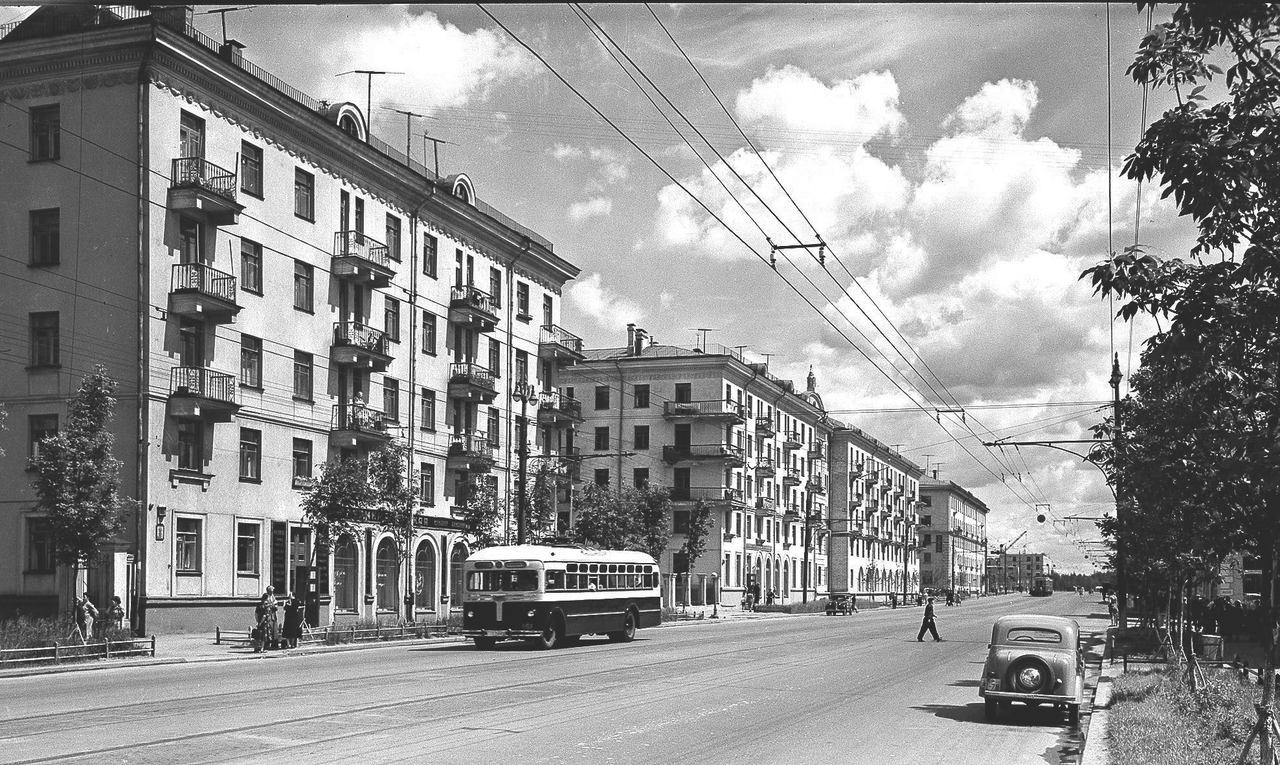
(639, 344)
(935, 475)
(233, 51)
(631, 339)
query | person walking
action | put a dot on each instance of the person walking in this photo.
(268, 628)
(115, 614)
(85, 614)
(893, 600)
(927, 624)
(292, 621)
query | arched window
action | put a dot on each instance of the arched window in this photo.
(456, 558)
(346, 567)
(347, 124)
(387, 576)
(424, 577)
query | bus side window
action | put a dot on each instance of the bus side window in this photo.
(555, 580)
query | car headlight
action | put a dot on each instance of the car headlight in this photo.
(531, 613)
(471, 614)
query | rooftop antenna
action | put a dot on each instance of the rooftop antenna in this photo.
(408, 128)
(435, 145)
(740, 349)
(926, 462)
(223, 12)
(768, 356)
(897, 448)
(368, 98)
(704, 330)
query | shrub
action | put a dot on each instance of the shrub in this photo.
(32, 632)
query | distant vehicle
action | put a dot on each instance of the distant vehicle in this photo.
(1041, 585)
(839, 603)
(553, 594)
(1034, 659)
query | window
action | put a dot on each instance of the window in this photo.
(495, 286)
(640, 477)
(44, 339)
(427, 483)
(251, 169)
(250, 266)
(642, 397)
(250, 361)
(386, 576)
(641, 437)
(45, 249)
(391, 399)
(602, 477)
(303, 286)
(301, 461)
(345, 574)
(359, 215)
(187, 545)
(680, 521)
(495, 357)
(602, 439)
(684, 393)
(39, 427)
(250, 454)
(939, 543)
(190, 445)
(428, 409)
(428, 333)
(39, 546)
(190, 136)
(522, 302)
(247, 546)
(46, 134)
(344, 210)
(602, 397)
(391, 319)
(521, 371)
(548, 306)
(430, 266)
(303, 375)
(494, 420)
(304, 194)
(424, 577)
(393, 237)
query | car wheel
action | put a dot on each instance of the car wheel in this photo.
(485, 643)
(628, 631)
(1030, 674)
(991, 709)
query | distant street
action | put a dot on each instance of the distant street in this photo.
(856, 689)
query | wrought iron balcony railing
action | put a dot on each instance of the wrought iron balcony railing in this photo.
(206, 280)
(198, 172)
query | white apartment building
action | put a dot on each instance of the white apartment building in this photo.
(273, 288)
(953, 537)
(710, 425)
(875, 545)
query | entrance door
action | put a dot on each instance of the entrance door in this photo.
(190, 343)
(683, 436)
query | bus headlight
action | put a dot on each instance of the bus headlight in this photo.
(471, 614)
(531, 613)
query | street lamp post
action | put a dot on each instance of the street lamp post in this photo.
(524, 392)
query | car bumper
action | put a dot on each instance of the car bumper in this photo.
(1042, 698)
(513, 633)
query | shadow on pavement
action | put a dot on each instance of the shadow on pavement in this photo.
(1016, 714)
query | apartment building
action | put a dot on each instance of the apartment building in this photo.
(953, 536)
(712, 426)
(1014, 571)
(273, 288)
(875, 544)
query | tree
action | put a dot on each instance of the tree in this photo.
(77, 481)
(654, 518)
(339, 502)
(1221, 164)
(605, 519)
(695, 540)
(391, 492)
(541, 505)
(480, 512)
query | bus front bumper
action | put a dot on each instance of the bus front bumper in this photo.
(503, 633)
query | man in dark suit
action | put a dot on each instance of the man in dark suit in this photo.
(927, 624)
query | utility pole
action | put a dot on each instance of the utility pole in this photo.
(804, 572)
(1117, 467)
(524, 393)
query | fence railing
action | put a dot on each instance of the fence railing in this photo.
(361, 336)
(202, 383)
(201, 173)
(359, 418)
(203, 279)
(555, 335)
(472, 373)
(466, 296)
(59, 653)
(713, 408)
(356, 245)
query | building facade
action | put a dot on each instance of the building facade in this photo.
(875, 541)
(953, 536)
(1013, 572)
(274, 289)
(711, 426)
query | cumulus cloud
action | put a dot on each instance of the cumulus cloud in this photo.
(792, 98)
(443, 65)
(605, 306)
(563, 151)
(597, 206)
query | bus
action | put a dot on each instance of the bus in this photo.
(1041, 585)
(553, 594)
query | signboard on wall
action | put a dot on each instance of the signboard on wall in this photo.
(279, 556)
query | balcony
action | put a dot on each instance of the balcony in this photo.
(200, 188)
(706, 494)
(356, 425)
(197, 393)
(473, 309)
(765, 467)
(766, 504)
(355, 344)
(817, 450)
(765, 428)
(731, 455)
(718, 411)
(791, 440)
(472, 382)
(791, 477)
(470, 451)
(559, 345)
(858, 470)
(572, 457)
(556, 410)
(361, 260)
(197, 291)
(816, 484)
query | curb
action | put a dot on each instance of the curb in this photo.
(1098, 710)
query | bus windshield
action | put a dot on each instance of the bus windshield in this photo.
(502, 581)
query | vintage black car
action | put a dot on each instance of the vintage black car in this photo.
(839, 604)
(1034, 659)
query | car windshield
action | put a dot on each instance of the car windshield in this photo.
(1033, 635)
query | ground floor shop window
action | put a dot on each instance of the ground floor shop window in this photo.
(424, 577)
(345, 561)
(187, 546)
(386, 572)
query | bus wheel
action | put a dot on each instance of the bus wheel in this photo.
(628, 631)
(485, 643)
(552, 636)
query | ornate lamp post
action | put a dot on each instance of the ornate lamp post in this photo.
(524, 392)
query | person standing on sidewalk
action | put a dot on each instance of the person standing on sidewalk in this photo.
(292, 621)
(927, 624)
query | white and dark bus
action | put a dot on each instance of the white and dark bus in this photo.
(553, 594)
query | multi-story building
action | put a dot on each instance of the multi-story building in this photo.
(273, 288)
(953, 537)
(874, 548)
(1014, 571)
(711, 426)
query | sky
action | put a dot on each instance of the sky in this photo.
(960, 162)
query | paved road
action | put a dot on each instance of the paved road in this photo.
(810, 689)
